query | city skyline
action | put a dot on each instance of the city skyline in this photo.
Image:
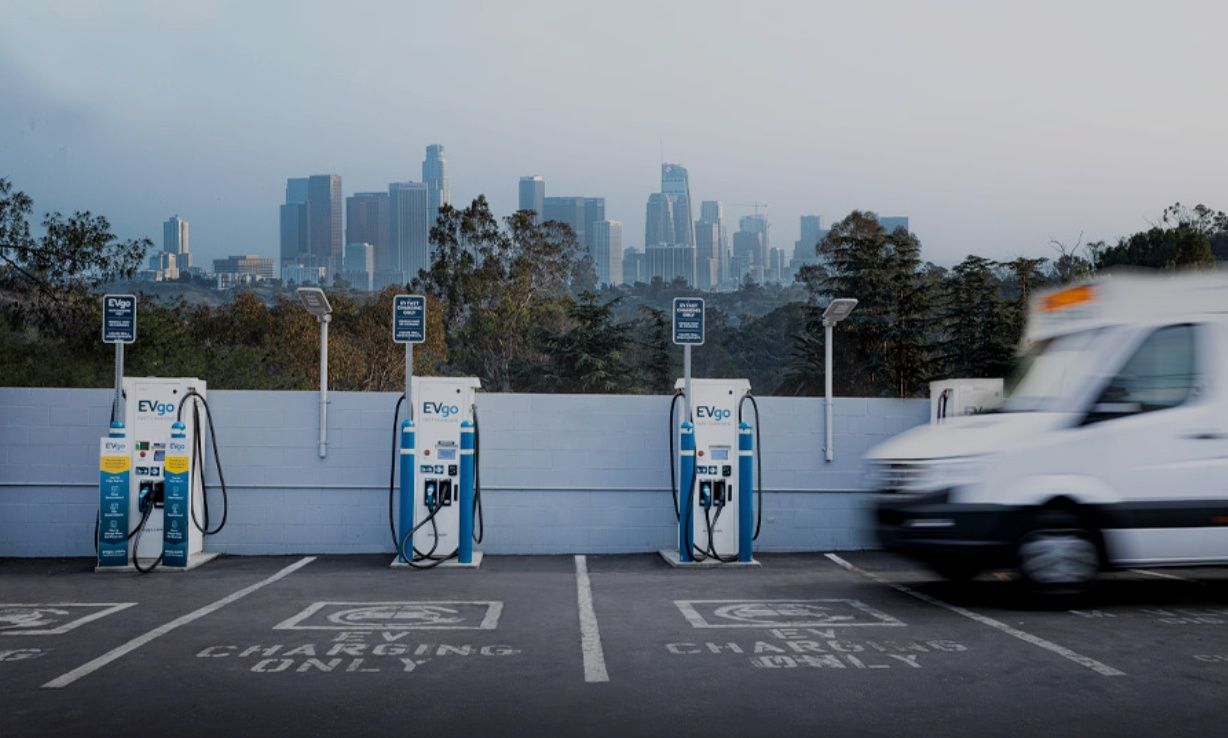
(956, 120)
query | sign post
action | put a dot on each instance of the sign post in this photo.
(409, 327)
(119, 328)
(688, 332)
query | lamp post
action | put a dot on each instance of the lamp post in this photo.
(314, 300)
(837, 310)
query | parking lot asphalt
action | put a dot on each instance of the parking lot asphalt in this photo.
(844, 644)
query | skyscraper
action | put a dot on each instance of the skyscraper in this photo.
(675, 182)
(748, 251)
(805, 249)
(533, 195)
(890, 223)
(569, 210)
(707, 258)
(581, 213)
(366, 221)
(435, 175)
(711, 211)
(608, 251)
(757, 223)
(293, 238)
(294, 225)
(175, 241)
(594, 213)
(359, 265)
(324, 221)
(409, 227)
(812, 233)
(659, 220)
(634, 268)
(670, 262)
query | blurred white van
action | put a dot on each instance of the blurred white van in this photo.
(1110, 448)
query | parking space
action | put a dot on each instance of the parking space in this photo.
(861, 643)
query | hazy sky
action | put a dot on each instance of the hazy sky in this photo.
(995, 127)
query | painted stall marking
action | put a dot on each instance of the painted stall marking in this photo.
(826, 613)
(53, 618)
(404, 615)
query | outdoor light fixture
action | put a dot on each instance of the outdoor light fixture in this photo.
(836, 311)
(314, 299)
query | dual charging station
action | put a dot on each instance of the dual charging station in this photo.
(438, 514)
(153, 507)
(716, 498)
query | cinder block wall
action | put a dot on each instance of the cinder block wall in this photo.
(560, 473)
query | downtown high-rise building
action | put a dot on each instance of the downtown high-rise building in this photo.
(310, 222)
(670, 262)
(608, 251)
(707, 255)
(435, 176)
(408, 230)
(891, 222)
(805, 249)
(676, 183)
(711, 212)
(367, 221)
(669, 232)
(175, 241)
(358, 267)
(659, 225)
(635, 269)
(581, 213)
(532, 195)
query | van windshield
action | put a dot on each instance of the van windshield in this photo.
(1050, 371)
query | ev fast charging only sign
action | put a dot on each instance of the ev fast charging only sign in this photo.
(409, 318)
(689, 321)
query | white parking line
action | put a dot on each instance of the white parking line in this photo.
(1081, 660)
(1164, 575)
(590, 636)
(88, 668)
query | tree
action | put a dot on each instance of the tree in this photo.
(47, 279)
(889, 336)
(980, 334)
(1160, 248)
(591, 355)
(656, 360)
(500, 284)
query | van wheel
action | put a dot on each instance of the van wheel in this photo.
(1060, 554)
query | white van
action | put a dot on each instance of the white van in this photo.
(1110, 448)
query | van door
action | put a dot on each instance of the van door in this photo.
(1158, 433)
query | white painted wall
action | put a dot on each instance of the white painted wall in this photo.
(561, 473)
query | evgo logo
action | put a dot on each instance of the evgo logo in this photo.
(711, 411)
(440, 408)
(153, 406)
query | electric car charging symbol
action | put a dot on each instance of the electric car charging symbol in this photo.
(777, 613)
(404, 615)
(29, 617)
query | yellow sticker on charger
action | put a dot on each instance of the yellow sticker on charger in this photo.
(114, 464)
(176, 464)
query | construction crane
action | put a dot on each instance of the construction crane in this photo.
(755, 205)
